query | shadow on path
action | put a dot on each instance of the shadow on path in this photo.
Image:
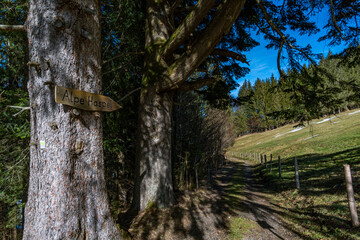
(256, 208)
(204, 214)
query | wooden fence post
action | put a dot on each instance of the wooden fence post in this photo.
(261, 156)
(297, 174)
(265, 161)
(270, 162)
(351, 198)
(279, 158)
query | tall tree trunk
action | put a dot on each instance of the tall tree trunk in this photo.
(154, 151)
(154, 174)
(67, 198)
(165, 72)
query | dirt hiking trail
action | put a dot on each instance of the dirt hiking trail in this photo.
(269, 224)
(205, 214)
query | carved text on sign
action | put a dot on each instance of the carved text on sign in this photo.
(84, 100)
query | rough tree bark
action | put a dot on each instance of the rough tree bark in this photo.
(67, 197)
(163, 74)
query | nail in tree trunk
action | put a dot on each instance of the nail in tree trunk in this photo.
(297, 174)
(67, 197)
(279, 158)
(351, 198)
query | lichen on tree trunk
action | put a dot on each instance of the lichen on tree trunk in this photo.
(67, 197)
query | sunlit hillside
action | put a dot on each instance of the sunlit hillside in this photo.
(319, 209)
(327, 135)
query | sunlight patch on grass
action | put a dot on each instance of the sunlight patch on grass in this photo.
(240, 227)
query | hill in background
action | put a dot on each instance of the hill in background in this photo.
(319, 210)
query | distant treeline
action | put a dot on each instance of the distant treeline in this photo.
(312, 92)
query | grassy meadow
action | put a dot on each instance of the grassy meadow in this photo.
(319, 209)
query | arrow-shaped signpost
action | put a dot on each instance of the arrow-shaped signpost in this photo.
(84, 100)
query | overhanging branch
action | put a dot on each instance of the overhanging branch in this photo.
(182, 68)
(187, 26)
(12, 28)
(279, 58)
(334, 19)
(230, 54)
(281, 34)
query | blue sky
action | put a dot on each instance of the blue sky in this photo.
(263, 61)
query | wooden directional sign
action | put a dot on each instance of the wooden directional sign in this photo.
(84, 100)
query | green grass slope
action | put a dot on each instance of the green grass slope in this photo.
(319, 210)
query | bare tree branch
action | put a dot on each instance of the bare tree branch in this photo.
(135, 90)
(187, 26)
(230, 54)
(22, 110)
(114, 69)
(12, 28)
(27, 153)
